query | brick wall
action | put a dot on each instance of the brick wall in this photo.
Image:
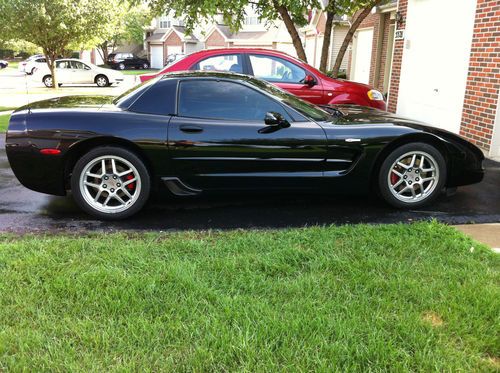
(173, 40)
(483, 80)
(397, 60)
(215, 40)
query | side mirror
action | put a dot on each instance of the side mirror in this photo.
(275, 119)
(309, 80)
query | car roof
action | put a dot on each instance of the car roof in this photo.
(207, 74)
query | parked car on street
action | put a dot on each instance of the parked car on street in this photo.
(34, 64)
(74, 71)
(122, 61)
(3, 64)
(283, 70)
(192, 133)
(22, 65)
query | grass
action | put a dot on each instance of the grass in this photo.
(4, 122)
(138, 72)
(5, 108)
(354, 298)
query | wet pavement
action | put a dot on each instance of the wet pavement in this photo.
(22, 210)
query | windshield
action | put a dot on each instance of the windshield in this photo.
(128, 97)
(305, 108)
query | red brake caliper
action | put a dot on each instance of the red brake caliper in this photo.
(394, 178)
(130, 186)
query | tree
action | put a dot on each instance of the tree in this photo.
(340, 8)
(127, 25)
(362, 9)
(55, 25)
(291, 12)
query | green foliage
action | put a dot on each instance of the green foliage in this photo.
(233, 11)
(402, 298)
(56, 25)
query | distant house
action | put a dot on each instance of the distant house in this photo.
(445, 64)
(166, 36)
(313, 36)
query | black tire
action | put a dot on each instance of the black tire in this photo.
(129, 156)
(47, 81)
(102, 81)
(410, 179)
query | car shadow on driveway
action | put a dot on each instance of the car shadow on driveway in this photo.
(22, 210)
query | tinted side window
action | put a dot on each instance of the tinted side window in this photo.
(213, 99)
(275, 69)
(223, 62)
(159, 99)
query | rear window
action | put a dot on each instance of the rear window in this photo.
(159, 99)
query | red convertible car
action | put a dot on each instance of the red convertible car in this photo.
(280, 69)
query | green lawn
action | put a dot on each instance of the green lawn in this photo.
(4, 122)
(419, 297)
(5, 108)
(138, 72)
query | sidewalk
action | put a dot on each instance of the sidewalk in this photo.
(488, 234)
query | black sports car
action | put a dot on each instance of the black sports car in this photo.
(196, 132)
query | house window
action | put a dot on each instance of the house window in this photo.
(165, 22)
(253, 20)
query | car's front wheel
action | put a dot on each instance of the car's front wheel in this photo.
(47, 80)
(101, 81)
(145, 66)
(110, 183)
(412, 175)
(121, 66)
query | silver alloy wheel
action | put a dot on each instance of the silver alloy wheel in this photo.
(48, 81)
(121, 66)
(101, 81)
(145, 66)
(413, 177)
(110, 184)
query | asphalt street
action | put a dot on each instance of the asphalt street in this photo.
(22, 210)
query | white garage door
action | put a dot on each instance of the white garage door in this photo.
(362, 59)
(436, 61)
(156, 56)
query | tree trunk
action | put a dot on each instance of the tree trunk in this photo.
(51, 63)
(290, 26)
(325, 49)
(364, 13)
(103, 51)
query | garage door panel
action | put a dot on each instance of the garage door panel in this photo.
(436, 61)
(156, 56)
(363, 57)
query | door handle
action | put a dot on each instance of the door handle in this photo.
(191, 129)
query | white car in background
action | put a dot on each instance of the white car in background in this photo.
(34, 64)
(22, 65)
(74, 71)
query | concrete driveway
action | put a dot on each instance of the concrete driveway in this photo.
(17, 89)
(22, 210)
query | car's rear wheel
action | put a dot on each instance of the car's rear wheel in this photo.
(412, 175)
(101, 81)
(145, 66)
(47, 80)
(121, 66)
(110, 183)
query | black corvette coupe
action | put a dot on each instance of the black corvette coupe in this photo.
(195, 132)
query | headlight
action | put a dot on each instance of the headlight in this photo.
(375, 95)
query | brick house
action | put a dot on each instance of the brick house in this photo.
(445, 66)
